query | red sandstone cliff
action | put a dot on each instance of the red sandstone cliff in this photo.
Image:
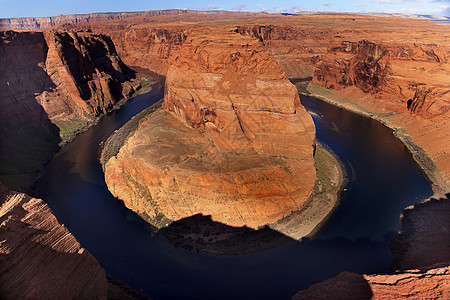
(231, 142)
(49, 78)
(39, 258)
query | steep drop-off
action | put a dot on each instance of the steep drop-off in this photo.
(47, 79)
(210, 151)
(39, 258)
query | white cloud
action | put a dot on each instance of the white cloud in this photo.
(214, 7)
(326, 4)
(279, 10)
(416, 11)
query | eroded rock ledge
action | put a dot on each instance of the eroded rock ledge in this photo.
(231, 141)
(40, 258)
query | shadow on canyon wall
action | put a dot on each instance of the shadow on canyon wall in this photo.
(345, 286)
(423, 243)
(28, 139)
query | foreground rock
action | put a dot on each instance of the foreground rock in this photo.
(51, 85)
(39, 258)
(231, 143)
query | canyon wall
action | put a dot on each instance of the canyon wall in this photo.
(51, 84)
(35, 23)
(39, 258)
(394, 69)
(210, 150)
(149, 47)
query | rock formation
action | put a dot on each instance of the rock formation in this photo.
(39, 258)
(395, 69)
(149, 47)
(48, 78)
(233, 141)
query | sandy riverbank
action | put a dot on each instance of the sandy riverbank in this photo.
(323, 201)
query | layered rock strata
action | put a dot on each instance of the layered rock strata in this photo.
(39, 258)
(232, 141)
(395, 69)
(48, 79)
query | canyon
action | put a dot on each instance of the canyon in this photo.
(392, 69)
(209, 151)
(53, 85)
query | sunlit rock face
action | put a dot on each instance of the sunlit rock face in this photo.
(39, 257)
(232, 141)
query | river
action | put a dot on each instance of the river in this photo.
(383, 179)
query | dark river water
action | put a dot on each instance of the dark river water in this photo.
(383, 179)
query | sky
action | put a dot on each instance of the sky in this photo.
(44, 8)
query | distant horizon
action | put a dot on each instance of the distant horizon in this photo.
(51, 8)
(234, 11)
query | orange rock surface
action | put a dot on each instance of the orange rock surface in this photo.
(39, 258)
(393, 68)
(212, 150)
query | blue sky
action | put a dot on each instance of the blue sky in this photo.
(28, 8)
